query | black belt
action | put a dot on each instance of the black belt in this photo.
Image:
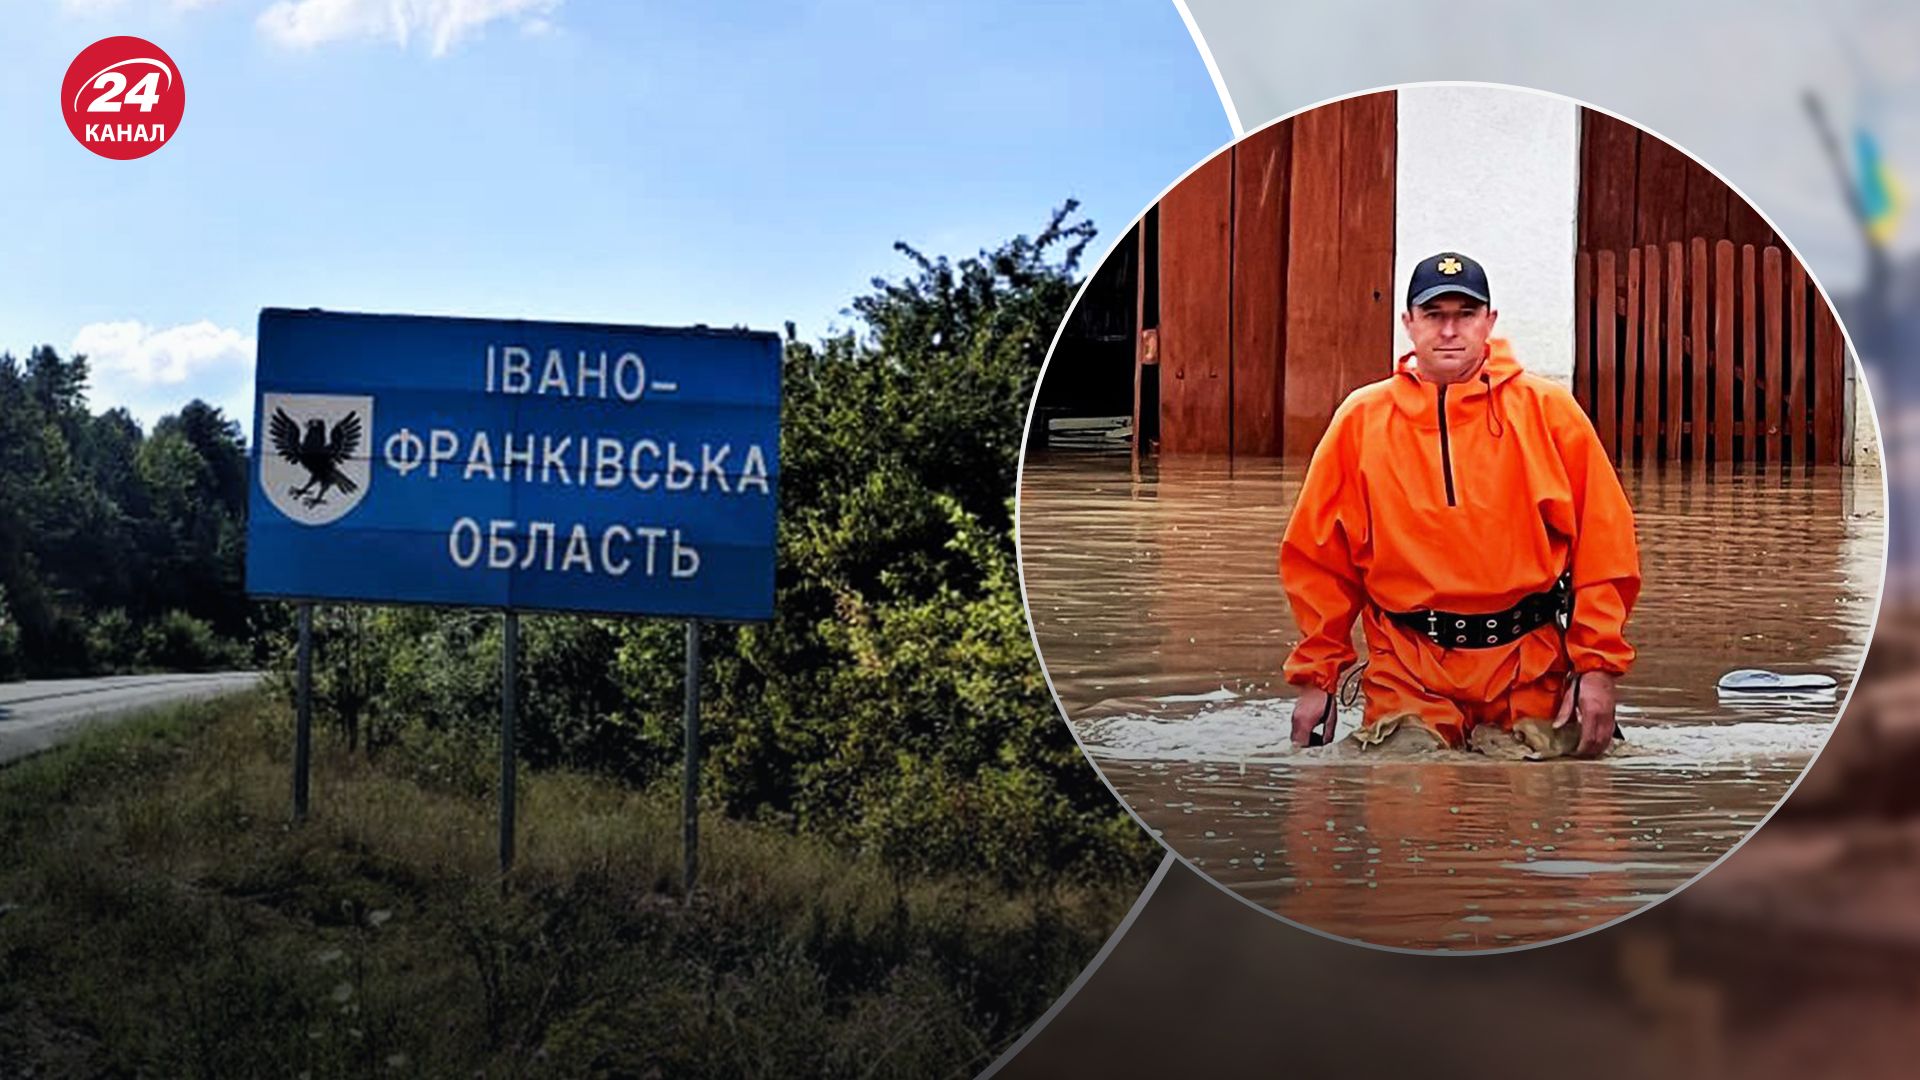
(1453, 630)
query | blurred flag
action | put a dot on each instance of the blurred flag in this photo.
(1880, 193)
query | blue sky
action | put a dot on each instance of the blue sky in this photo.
(569, 159)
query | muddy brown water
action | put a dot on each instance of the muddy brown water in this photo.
(1156, 602)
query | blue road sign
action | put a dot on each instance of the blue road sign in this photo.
(525, 465)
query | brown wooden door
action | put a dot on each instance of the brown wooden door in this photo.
(1196, 310)
(1275, 282)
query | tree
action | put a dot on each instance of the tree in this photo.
(216, 441)
(96, 518)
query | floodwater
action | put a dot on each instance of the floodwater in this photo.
(1155, 598)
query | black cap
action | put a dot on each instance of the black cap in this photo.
(1447, 272)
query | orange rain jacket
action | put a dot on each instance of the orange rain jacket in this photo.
(1460, 498)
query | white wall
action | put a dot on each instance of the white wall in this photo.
(1860, 417)
(1494, 174)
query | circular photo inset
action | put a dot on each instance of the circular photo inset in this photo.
(1451, 518)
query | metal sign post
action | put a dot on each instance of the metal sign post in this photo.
(303, 713)
(509, 677)
(690, 797)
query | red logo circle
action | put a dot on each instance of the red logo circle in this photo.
(123, 97)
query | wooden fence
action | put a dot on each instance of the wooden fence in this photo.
(1708, 353)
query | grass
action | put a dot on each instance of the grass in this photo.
(160, 916)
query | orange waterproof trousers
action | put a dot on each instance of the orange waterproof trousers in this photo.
(1452, 691)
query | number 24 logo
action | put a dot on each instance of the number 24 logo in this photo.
(145, 93)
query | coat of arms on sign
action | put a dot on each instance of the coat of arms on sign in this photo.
(314, 463)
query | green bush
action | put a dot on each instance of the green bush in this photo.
(9, 639)
(179, 642)
(895, 702)
(114, 641)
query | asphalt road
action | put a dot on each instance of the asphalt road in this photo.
(38, 715)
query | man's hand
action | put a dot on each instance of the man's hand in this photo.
(1314, 706)
(1594, 707)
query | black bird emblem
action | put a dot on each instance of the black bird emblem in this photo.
(318, 452)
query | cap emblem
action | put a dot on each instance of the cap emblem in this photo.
(1449, 265)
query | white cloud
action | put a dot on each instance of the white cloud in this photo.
(153, 371)
(442, 23)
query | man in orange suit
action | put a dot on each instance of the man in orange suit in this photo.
(1466, 513)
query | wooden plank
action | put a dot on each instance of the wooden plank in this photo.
(1609, 153)
(1797, 421)
(1135, 434)
(1724, 353)
(1630, 369)
(1770, 356)
(1196, 311)
(1706, 204)
(1368, 138)
(1745, 225)
(1835, 374)
(1583, 331)
(1675, 414)
(1650, 379)
(1752, 392)
(1697, 350)
(1826, 412)
(1313, 377)
(1661, 192)
(1836, 371)
(1260, 174)
(1583, 191)
(1606, 391)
